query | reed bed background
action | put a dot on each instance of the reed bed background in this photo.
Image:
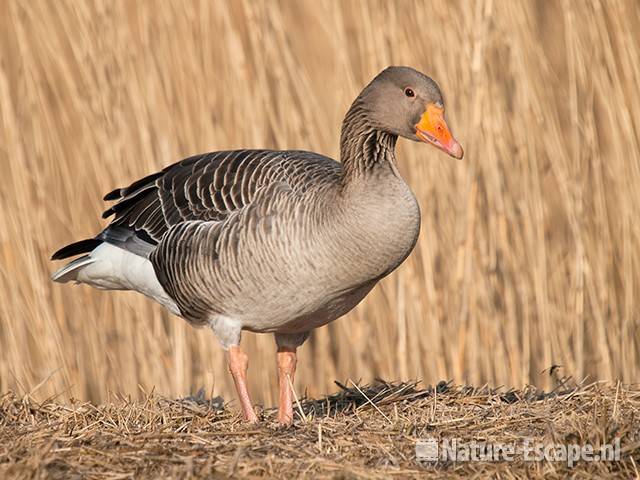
(530, 247)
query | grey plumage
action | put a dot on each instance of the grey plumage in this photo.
(276, 241)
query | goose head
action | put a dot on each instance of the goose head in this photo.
(404, 102)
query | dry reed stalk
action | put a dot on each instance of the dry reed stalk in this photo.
(529, 253)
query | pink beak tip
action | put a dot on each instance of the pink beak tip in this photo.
(456, 150)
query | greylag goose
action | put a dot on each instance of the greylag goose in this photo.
(272, 241)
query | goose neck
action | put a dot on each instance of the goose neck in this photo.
(363, 147)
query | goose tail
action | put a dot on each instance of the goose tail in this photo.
(70, 271)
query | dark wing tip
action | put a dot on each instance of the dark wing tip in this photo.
(107, 213)
(113, 195)
(76, 248)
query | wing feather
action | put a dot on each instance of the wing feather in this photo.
(208, 188)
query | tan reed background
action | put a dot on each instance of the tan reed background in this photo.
(530, 247)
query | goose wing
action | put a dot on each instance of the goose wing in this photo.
(207, 187)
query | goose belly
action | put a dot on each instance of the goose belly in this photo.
(316, 314)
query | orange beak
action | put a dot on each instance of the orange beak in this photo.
(434, 130)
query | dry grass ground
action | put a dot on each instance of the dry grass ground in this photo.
(529, 253)
(343, 436)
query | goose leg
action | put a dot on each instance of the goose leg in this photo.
(286, 370)
(238, 364)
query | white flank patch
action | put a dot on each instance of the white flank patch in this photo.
(227, 330)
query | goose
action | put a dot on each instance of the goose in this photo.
(272, 241)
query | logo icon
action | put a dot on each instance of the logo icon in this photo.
(427, 450)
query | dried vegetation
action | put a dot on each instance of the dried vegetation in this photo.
(360, 432)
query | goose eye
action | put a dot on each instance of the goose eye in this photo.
(409, 92)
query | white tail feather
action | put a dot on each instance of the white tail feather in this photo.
(70, 271)
(108, 267)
